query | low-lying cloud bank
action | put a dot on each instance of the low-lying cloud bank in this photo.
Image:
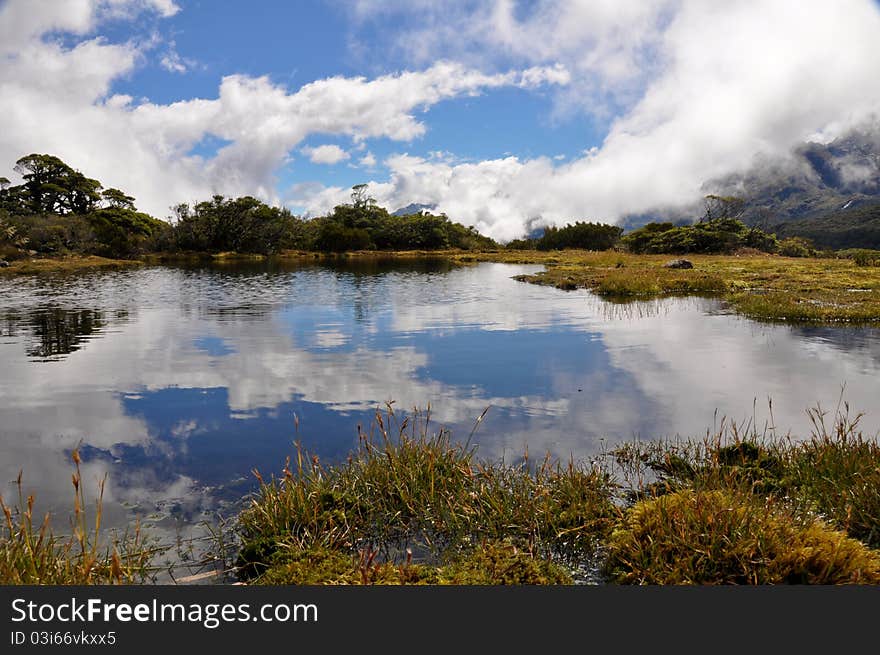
(690, 91)
(704, 90)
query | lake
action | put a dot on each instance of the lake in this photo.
(177, 382)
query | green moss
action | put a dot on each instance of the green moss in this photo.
(502, 563)
(491, 563)
(729, 537)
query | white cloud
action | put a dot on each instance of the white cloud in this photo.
(173, 62)
(699, 89)
(368, 160)
(58, 99)
(326, 154)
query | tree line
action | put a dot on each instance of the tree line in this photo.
(58, 210)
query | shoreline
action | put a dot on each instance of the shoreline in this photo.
(815, 291)
(420, 508)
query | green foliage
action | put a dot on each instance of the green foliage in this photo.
(796, 247)
(585, 236)
(855, 227)
(718, 235)
(121, 231)
(118, 199)
(861, 256)
(244, 225)
(50, 234)
(522, 244)
(51, 187)
(336, 237)
(12, 242)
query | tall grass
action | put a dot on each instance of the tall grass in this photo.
(32, 553)
(415, 490)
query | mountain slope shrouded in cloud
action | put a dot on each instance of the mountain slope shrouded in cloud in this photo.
(645, 102)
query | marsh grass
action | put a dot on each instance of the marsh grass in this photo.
(488, 563)
(31, 552)
(408, 489)
(760, 286)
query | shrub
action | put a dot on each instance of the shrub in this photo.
(718, 235)
(796, 247)
(587, 236)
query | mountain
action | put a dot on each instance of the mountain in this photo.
(414, 208)
(829, 193)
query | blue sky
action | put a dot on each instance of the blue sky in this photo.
(505, 114)
(296, 43)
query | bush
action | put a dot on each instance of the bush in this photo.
(719, 235)
(49, 234)
(586, 236)
(333, 237)
(243, 225)
(796, 247)
(861, 256)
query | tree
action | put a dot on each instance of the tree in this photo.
(52, 187)
(723, 207)
(118, 199)
(360, 198)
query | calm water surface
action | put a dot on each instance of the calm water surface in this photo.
(178, 382)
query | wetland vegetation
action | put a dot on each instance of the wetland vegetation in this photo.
(412, 505)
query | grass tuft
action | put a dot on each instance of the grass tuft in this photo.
(32, 553)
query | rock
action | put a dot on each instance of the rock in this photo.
(3, 263)
(678, 263)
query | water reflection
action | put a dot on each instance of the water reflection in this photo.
(177, 382)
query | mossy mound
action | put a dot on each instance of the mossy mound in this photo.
(501, 563)
(493, 563)
(730, 537)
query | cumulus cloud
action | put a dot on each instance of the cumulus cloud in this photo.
(685, 90)
(368, 160)
(59, 99)
(698, 90)
(326, 154)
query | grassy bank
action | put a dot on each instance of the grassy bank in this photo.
(766, 287)
(410, 505)
(71, 264)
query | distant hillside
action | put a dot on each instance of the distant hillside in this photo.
(413, 208)
(829, 193)
(853, 227)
